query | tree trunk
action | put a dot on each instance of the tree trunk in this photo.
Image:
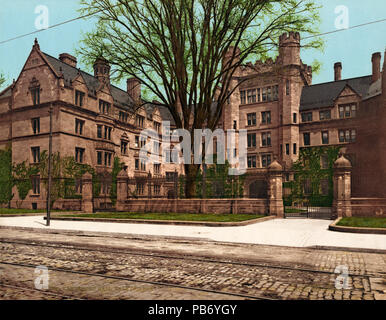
(191, 171)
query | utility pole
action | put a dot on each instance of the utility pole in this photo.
(49, 170)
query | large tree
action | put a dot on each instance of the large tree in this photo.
(176, 48)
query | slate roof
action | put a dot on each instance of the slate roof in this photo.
(323, 95)
(121, 97)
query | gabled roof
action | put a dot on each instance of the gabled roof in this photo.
(324, 94)
(121, 97)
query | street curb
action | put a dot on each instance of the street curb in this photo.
(334, 227)
(169, 222)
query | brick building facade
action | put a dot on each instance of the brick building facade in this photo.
(275, 101)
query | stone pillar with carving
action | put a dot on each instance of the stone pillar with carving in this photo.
(87, 197)
(342, 187)
(275, 189)
(122, 190)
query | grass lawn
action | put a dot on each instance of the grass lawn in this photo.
(365, 222)
(6, 211)
(170, 216)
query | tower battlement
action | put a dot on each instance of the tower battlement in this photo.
(290, 37)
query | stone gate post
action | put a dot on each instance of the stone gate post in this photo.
(87, 197)
(122, 190)
(275, 189)
(342, 187)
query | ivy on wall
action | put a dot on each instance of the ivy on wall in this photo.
(6, 179)
(308, 170)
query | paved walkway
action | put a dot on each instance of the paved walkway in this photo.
(281, 232)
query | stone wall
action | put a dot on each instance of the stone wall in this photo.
(364, 207)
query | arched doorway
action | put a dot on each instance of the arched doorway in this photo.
(258, 189)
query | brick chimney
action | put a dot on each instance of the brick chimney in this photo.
(376, 61)
(338, 71)
(68, 59)
(134, 88)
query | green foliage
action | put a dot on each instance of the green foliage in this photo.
(64, 172)
(22, 173)
(308, 168)
(218, 183)
(2, 79)
(6, 179)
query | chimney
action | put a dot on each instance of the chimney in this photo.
(134, 88)
(68, 59)
(338, 71)
(376, 61)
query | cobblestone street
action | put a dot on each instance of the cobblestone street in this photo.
(101, 267)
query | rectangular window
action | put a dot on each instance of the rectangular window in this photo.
(234, 124)
(35, 154)
(139, 121)
(252, 96)
(104, 107)
(348, 111)
(35, 92)
(123, 147)
(295, 150)
(251, 161)
(295, 117)
(107, 134)
(275, 93)
(35, 184)
(307, 117)
(136, 143)
(325, 139)
(269, 94)
(287, 87)
(287, 149)
(265, 160)
(251, 140)
(99, 157)
(79, 155)
(324, 161)
(251, 118)
(136, 164)
(99, 131)
(157, 168)
(266, 117)
(108, 156)
(79, 124)
(258, 95)
(264, 94)
(325, 115)
(157, 126)
(266, 139)
(36, 125)
(306, 139)
(348, 135)
(79, 98)
(123, 116)
(242, 97)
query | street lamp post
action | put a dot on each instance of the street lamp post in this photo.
(49, 171)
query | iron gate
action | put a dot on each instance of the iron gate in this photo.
(305, 210)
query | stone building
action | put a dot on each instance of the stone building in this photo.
(92, 120)
(283, 112)
(275, 101)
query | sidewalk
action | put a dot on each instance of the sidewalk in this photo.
(281, 232)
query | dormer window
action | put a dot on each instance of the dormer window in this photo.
(79, 98)
(104, 107)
